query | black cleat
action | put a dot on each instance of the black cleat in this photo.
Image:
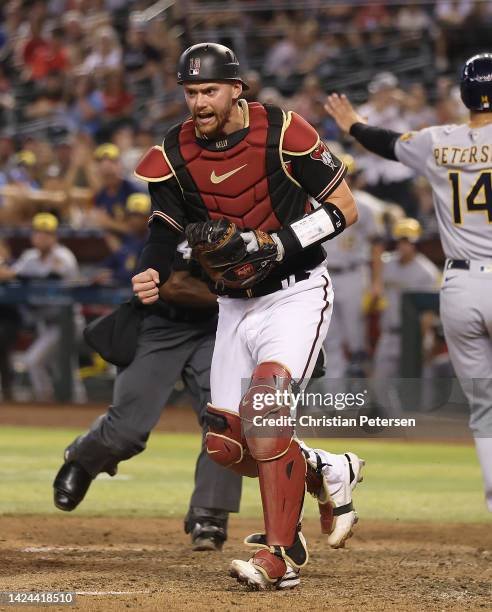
(70, 486)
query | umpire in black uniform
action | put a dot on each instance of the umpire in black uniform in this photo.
(176, 340)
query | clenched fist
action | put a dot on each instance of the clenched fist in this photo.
(146, 286)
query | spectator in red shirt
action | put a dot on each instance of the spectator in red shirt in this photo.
(47, 56)
(118, 102)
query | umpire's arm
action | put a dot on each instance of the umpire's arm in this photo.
(186, 290)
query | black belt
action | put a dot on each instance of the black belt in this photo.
(266, 287)
(458, 264)
(344, 269)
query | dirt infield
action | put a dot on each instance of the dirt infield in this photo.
(147, 564)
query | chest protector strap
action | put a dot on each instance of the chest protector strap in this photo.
(277, 182)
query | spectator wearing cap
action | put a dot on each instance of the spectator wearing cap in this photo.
(111, 198)
(120, 266)
(47, 260)
(387, 179)
(24, 170)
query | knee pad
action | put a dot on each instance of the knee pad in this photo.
(265, 412)
(224, 439)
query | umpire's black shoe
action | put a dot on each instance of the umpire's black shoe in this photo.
(70, 486)
(208, 528)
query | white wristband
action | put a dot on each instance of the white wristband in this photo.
(313, 227)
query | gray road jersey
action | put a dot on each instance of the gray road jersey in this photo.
(418, 275)
(457, 161)
(353, 245)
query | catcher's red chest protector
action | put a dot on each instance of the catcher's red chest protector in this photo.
(233, 183)
(248, 182)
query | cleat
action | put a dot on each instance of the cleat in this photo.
(338, 475)
(70, 486)
(255, 579)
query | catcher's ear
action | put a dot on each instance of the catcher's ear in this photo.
(237, 90)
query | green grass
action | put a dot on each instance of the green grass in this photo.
(403, 481)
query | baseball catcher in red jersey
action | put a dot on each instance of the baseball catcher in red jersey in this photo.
(256, 192)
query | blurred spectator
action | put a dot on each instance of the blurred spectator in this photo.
(130, 152)
(48, 55)
(120, 266)
(7, 100)
(308, 102)
(413, 18)
(417, 113)
(110, 200)
(47, 259)
(140, 59)
(282, 59)
(87, 105)
(387, 179)
(118, 102)
(169, 106)
(49, 99)
(372, 16)
(9, 327)
(106, 55)
(25, 169)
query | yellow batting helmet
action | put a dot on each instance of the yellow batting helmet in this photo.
(407, 228)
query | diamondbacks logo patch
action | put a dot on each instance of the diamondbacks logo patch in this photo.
(322, 154)
(194, 66)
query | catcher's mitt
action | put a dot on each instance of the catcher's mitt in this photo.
(222, 253)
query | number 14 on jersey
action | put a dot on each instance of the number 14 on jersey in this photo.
(478, 199)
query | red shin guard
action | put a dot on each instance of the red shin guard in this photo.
(282, 483)
(281, 464)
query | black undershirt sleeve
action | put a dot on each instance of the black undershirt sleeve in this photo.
(159, 250)
(375, 139)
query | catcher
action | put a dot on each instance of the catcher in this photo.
(256, 192)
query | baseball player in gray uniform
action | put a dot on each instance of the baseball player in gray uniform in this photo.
(47, 260)
(176, 341)
(457, 161)
(403, 270)
(348, 261)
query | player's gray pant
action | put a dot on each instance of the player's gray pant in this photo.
(347, 327)
(39, 358)
(166, 352)
(466, 312)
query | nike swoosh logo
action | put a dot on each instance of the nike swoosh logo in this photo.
(218, 179)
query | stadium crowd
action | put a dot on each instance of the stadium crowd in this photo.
(87, 86)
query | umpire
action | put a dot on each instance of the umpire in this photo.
(176, 340)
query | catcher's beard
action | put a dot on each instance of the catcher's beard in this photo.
(221, 119)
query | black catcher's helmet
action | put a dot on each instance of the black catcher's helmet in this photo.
(476, 82)
(208, 62)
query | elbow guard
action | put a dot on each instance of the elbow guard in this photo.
(319, 225)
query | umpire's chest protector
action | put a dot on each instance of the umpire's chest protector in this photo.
(244, 177)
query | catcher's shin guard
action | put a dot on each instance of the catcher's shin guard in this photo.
(225, 443)
(281, 464)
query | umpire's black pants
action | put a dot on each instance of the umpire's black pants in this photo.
(167, 350)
